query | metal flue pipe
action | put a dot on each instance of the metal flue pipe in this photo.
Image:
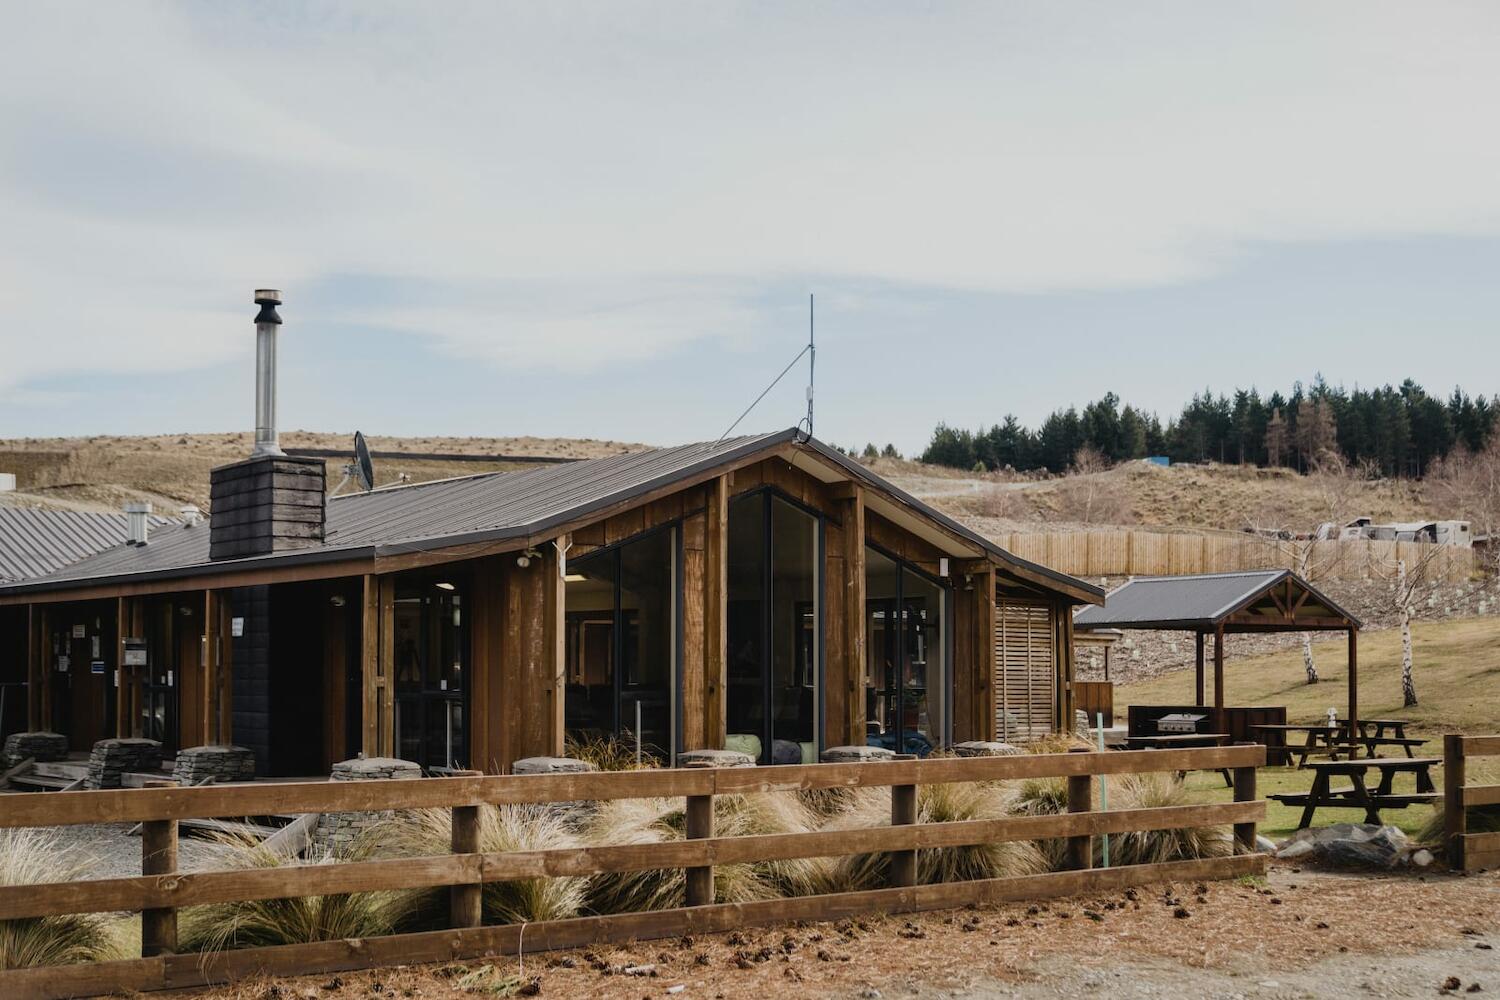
(266, 322)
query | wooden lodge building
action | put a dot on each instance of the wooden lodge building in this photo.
(764, 593)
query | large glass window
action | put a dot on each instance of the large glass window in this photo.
(621, 645)
(906, 676)
(432, 652)
(774, 626)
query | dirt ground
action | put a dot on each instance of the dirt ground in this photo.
(1297, 934)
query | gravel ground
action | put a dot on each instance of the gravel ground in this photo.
(1298, 934)
(117, 854)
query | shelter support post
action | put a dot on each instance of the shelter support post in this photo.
(1353, 682)
(715, 607)
(35, 676)
(853, 670)
(1199, 664)
(1219, 720)
(159, 857)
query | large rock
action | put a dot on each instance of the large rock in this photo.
(1356, 845)
(856, 754)
(38, 746)
(714, 758)
(111, 759)
(221, 763)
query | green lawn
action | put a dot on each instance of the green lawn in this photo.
(1457, 669)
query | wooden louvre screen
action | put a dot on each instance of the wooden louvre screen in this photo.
(1025, 669)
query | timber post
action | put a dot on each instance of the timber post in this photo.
(1245, 791)
(465, 901)
(699, 826)
(1080, 800)
(903, 813)
(1455, 819)
(159, 857)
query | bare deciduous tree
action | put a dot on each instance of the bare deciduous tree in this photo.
(1086, 494)
(1467, 485)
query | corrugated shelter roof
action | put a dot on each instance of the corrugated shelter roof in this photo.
(34, 543)
(1196, 602)
(487, 508)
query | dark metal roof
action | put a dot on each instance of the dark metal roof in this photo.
(36, 542)
(1199, 601)
(488, 508)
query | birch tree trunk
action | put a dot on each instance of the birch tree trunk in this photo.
(1307, 659)
(1408, 685)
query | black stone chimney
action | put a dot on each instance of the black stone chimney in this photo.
(271, 502)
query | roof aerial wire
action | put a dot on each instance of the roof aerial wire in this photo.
(808, 348)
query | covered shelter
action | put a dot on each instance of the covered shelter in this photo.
(1216, 604)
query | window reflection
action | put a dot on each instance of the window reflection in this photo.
(905, 676)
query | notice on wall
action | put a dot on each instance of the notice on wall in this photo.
(97, 653)
(97, 667)
(64, 663)
(236, 627)
(135, 652)
(80, 631)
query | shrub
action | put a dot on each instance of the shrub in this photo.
(655, 821)
(609, 753)
(297, 920)
(1147, 847)
(429, 832)
(1044, 797)
(32, 857)
(944, 803)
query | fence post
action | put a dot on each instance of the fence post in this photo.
(700, 826)
(159, 857)
(1080, 800)
(903, 813)
(465, 902)
(1244, 791)
(1455, 820)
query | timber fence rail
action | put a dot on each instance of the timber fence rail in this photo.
(1468, 851)
(159, 894)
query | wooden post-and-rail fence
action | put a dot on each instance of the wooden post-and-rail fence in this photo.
(1468, 851)
(163, 891)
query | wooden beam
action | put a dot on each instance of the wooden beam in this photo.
(853, 585)
(1219, 719)
(387, 666)
(554, 646)
(122, 673)
(1198, 668)
(226, 668)
(715, 605)
(1353, 682)
(984, 589)
(35, 670)
(369, 666)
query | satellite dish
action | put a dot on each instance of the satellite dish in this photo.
(364, 468)
(361, 470)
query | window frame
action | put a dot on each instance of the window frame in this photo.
(945, 585)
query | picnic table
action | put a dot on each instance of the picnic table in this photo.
(1181, 741)
(1358, 794)
(1376, 733)
(1322, 739)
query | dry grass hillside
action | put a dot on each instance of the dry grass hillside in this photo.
(102, 472)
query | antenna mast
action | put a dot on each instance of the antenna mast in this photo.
(812, 361)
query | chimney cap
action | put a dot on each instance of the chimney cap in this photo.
(139, 507)
(268, 299)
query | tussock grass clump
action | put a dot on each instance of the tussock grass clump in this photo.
(258, 922)
(33, 857)
(609, 753)
(1044, 797)
(945, 803)
(1149, 847)
(656, 821)
(429, 832)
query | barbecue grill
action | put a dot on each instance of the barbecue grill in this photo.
(1179, 724)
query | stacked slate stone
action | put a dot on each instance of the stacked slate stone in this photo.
(572, 812)
(197, 764)
(111, 759)
(715, 758)
(35, 746)
(336, 833)
(984, 748)
(855, 754)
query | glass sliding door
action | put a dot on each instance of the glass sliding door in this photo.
(906, 641)
(775, 633)
(432, 652)
(621, 647)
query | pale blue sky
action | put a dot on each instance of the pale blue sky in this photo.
(603, 220)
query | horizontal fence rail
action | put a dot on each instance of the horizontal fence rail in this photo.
(1468, 851)
(160, 895)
